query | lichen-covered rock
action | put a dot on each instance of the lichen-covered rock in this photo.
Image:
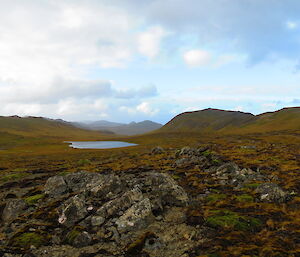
(137, 216)
(227, 168)
(122, 203)
(55, 186)
(106, 188)
(270, 192)
(13, 209)
(165, 188)
(157, 150)
(72, 211)
(188, 151)
(78, 181)
(82, 239)
(97, 221)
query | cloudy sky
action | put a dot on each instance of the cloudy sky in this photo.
(125, 60)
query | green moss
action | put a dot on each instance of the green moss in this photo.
(176, 177)
(19, 170)
(245, 198)
(228, 219)
(25, 240)
(31, 200)
(83, 162)
(71, 236)
(13, 176)
(212, 198)
(213, 255)
(216, 162)
(252, 185)
(207, 153)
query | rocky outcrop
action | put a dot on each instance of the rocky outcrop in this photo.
(139, 212)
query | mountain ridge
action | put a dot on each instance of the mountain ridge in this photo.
(132, 128)
(226, 121)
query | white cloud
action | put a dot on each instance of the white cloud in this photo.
(197, 57)
(149, 41)
(291, 25)
(142, 108)
(146, 108)
(41, 40)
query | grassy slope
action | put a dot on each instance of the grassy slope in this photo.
(229, 122)
(20, 131)
(284, 119)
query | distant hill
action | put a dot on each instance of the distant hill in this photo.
(215, 120)
(38, 127)
(133, 128)
(97, 125)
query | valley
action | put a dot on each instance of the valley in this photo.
(238, 196)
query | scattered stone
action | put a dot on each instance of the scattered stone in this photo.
(270, 192)
(13, 209)
(157, 150)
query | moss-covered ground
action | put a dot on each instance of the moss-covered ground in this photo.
(245, 227)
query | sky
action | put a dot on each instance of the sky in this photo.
(131, 60)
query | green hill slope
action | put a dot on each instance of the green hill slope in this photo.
(220, 121)
(16, 128)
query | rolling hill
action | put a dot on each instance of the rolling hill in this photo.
(220, 121)
(133, 128)
(16, 129)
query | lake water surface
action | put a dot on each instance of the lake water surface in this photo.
(98, 144)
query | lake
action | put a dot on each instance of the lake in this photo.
(98, 144)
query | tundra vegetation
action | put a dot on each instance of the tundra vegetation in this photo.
(176, 193)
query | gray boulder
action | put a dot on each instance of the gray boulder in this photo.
(13, 209)
(55, 186)
(121, 203)
(78, 181)
(137, 216)
(228, 169)
(82, 239)
(270, 192)
(164, 188)
(105, 188)
(157, 150)
(72, 211)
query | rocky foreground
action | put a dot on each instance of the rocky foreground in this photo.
(145, 212)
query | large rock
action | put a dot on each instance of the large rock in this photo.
(188, 151)
(157, 150)
(82, 239)
(78, 181)
(270, 192)
(106, 188)
(137, 216)
(55, 186)
(228, 169)
(72, 211)
(201, 160)
(121, 203)
(161, 186)
(13, 209)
